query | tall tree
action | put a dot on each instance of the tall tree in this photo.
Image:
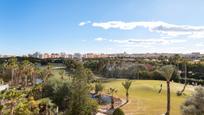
(112, 91)
(179, 93)
(35, 75)
(127, 85)
(21, 71)
(12, 66)
(28, 70)
(46, 73)
(80, 102)
(167, 72)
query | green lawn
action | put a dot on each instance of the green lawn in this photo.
(144, 97)
(55, 72)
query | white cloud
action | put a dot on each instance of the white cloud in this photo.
(99, 39)
(197, 35)
(157, 26)
(84, 23)
(146, 41)
(199, 45)
(141, 43)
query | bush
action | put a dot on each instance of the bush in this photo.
(58, 90)
(79, 101)
(194, 105)
(118, 111)
(98, 87)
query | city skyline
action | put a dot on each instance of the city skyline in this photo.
(159, 26)
(101, 55)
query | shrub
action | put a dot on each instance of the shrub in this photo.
(58, 91)
(194, 105)
(118, 111)
(98, 87)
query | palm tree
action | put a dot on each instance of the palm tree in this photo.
(127, 85)
(46, 73)
(36, 73)
(26, 71)
(160, 88)
(3, 68)
(179, 93)
(112, 91)
(31, 73)
(12, 65)
(167, 72)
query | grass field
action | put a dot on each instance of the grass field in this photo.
(144, 97)
(55, 71)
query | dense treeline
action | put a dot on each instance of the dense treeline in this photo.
(144, 68)
(133, 68)
(116, 68)
(34, 60)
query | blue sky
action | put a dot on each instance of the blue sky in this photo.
(101, 26)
